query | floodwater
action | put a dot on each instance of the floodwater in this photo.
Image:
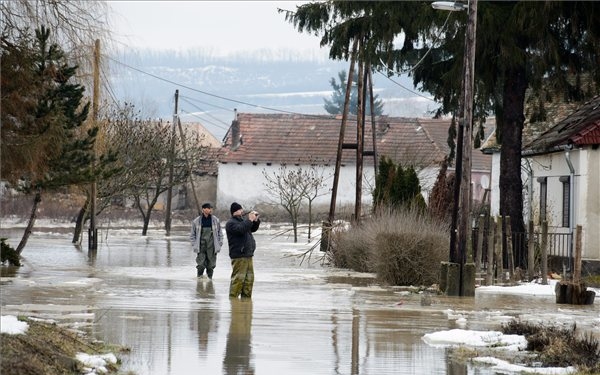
(304, 318)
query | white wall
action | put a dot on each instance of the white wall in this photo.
(495, 185)
(245, 184)
(586, 194)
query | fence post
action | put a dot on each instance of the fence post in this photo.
(509, 248)
(479, 252)
(489, 279)
(577, 265)
(530, 252)
(498, 248)
(544, 252)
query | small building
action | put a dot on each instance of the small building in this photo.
(564, 165)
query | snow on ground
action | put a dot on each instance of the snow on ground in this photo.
(10, 325)
(497, 340)
(94, 364)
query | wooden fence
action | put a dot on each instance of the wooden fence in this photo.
(502, 256)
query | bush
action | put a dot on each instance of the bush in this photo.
(7, 253)
(403, 247)
(558, 346)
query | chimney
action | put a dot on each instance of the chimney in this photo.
(235, 132)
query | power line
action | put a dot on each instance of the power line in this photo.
(203, 92)
(200, 101)
(204, 120)
(205, 112)
(406, 88)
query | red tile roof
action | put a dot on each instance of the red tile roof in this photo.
(302, 139)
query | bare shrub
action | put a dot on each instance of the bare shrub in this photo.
(350, 249)
(404, 247)
(559, 346)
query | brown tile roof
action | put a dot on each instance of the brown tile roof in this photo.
(582, 127)
(301, 139)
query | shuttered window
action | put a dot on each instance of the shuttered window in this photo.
(566, 200)
(543, 198)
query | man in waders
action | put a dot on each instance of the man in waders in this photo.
(207, 239)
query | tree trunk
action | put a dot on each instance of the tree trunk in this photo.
(80, 220)
(511, 191)
(32, 217)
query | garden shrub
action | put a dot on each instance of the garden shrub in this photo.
(403, 247)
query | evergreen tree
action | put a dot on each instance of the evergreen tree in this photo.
(44, 145)
(335, 105)
(397, 186)
(544, 47)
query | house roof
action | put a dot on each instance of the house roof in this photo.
(302, 139)
(207, 138)
(580, 128)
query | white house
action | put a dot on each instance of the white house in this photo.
(258, 143)
(560, 173)
(564, 168)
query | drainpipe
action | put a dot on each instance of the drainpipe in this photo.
(572, 203)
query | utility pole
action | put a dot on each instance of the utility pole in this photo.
(338, 162)
(171, 162)
(457, 277)
(93, 231)
(465, 189)
(187, 162)
(360, 133)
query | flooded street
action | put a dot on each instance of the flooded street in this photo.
(141, 292)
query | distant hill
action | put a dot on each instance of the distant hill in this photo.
(211, 87)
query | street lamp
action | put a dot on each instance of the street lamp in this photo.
(464, 139)
(451, 6)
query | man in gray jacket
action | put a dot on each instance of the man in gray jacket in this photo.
(207, 239)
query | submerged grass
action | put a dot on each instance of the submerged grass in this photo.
(559, 346)
(49, 349)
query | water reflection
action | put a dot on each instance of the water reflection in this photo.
(206, 318)
(238, 356)
(142, 293)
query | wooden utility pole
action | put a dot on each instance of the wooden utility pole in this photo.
(338, 162)
(171, 162)
(373, 125)
(189, 167)
(465, 189)
(93, 231)
(360, 134)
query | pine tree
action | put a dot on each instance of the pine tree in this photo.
(44, 145)
(335, 105)
(545, 47)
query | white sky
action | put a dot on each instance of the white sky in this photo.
(222, 26)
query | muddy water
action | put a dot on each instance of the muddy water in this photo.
(304, 318)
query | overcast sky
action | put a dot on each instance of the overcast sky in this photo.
(222, 26)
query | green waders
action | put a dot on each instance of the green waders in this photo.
(242, 278)
(206, 257)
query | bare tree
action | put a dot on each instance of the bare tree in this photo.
(315, 182)
(149, 155)
(74, 24)
(291, 186)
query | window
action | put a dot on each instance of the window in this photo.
(566, 200)
(543, 198)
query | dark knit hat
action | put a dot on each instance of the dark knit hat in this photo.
(207, 205)
(234, 207)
